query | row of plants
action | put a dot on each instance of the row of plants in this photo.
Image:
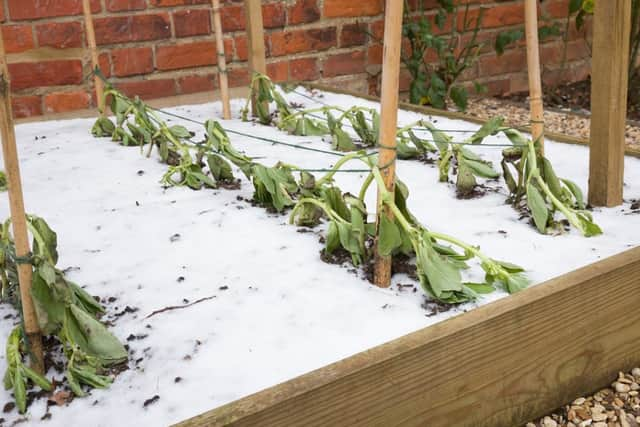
(311, 200)
(533, 184)
(67, 315)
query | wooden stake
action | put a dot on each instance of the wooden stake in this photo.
(95, 63)
(609, 80)
(389, 121)
(222, 61)
(18, 217)
(255, 40)
(533, 62)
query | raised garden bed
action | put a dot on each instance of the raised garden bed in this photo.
(269, 309)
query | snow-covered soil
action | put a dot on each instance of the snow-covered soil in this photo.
(277, 310)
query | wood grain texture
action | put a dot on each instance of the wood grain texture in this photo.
(388, 125)
(535, 79)
(221, 61)
(499, 365)
(18, 216)
(255, 40)
(93, 50)
(609, 80)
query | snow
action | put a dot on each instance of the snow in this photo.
(285, 312)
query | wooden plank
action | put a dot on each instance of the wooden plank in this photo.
(18, 216)
(609, 80)
(388, 126)
(426, 110)
(535, 79)
(95, 63)
(221, 60)
(499, 365)
(255, 40)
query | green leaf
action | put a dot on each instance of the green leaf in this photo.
(19, 391)
(489, 128)
(389, 238)
(574, 6)
(442, 276)
(48, 237)
(516, 283)
(505, 38)
(93, 337)
(511, 268)
(482, 169)
(465, 182)
(333, 238)
(103, 127)
(577, 193)
(538, 208)
(220, 169)
(551, 179)
(480, 288)
(37, 379)
(459, 96)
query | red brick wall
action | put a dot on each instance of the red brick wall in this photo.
(158, 48)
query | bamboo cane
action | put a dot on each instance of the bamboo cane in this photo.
(533, 62)
(95, 63)
(388, 122)
(255, 40)
(222, 62)
(18, 217)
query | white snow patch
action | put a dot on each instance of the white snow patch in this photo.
(285, 312)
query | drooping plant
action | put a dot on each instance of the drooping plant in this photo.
(64, 310)
(313, 199)
(469, 167)
(533, 183)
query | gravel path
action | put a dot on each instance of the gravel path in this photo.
(555, 121)
(616, 406)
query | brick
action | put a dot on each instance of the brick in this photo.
(495, 16)
(238, 77)
(48, 73)
(342, 8)
(132, 61)
(289, 42)
(36, 9)
(303, 12)
(60, 102)
(197, 83)
(192, 22)
(104, 61)
(353, 35)
(498, 87)
(273, 15)
(132, 28)
(344, 64)
(374, 55)
(60, 34)
(147, 89)
(126, 5)
(242, 50)
(169, 3)
(304, 69)
(26, 106)
(17, 38)
(186, 55)
(278, 71)
(232, 18)
(511, 62)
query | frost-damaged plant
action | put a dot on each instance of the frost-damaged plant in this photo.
(64, 310)
(469, 165)
(533, 182)
(439, 266)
